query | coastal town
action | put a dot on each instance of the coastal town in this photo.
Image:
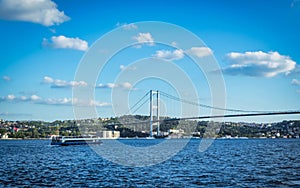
(112, 128)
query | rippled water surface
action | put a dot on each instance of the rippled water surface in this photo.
(227, 163)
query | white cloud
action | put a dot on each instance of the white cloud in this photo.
(83, 103)
(126, 26)
(35, 98)
(6, 78)
(200, 51)
(53, 101)
(98, 104)
(124, 85)
(174, 43)
(48, 80)
(56, 83)
(123, 67)
(179, 53)
(295, 82)
(43, 12)
(108, 85)
(259, 64)
(59, 101)
(169, 55)
(13, 98)
(10, 97)
(75, 102)
(144, 38)
(23, 98)
(65, 42)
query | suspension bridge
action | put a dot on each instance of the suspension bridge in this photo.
(153, 99)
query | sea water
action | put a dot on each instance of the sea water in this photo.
(226, 163)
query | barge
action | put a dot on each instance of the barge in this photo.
(75, 140)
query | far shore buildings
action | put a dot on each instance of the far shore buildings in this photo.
(110, 134)
(4, 136)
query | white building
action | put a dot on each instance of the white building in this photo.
(5, 136)
(176, 131)
(111, 134)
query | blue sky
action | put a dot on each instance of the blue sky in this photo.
(256, 44)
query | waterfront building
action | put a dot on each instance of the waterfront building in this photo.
(111, 134)
(5, 136)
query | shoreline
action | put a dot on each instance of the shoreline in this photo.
(25, 139)
(121, 138)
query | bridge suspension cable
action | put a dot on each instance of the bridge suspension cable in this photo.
(207, 106)
(212, 117)
(139, 101)
(236, 115)
(144, 100)
(243, 113)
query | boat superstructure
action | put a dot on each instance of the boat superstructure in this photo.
(75, 140)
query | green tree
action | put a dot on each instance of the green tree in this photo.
(3, 131)
(35, 133)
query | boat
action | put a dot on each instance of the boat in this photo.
(231, 137)
(75, 140)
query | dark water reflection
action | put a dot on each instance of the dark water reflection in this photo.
(227, 163)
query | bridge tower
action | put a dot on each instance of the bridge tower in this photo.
(154, 105)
